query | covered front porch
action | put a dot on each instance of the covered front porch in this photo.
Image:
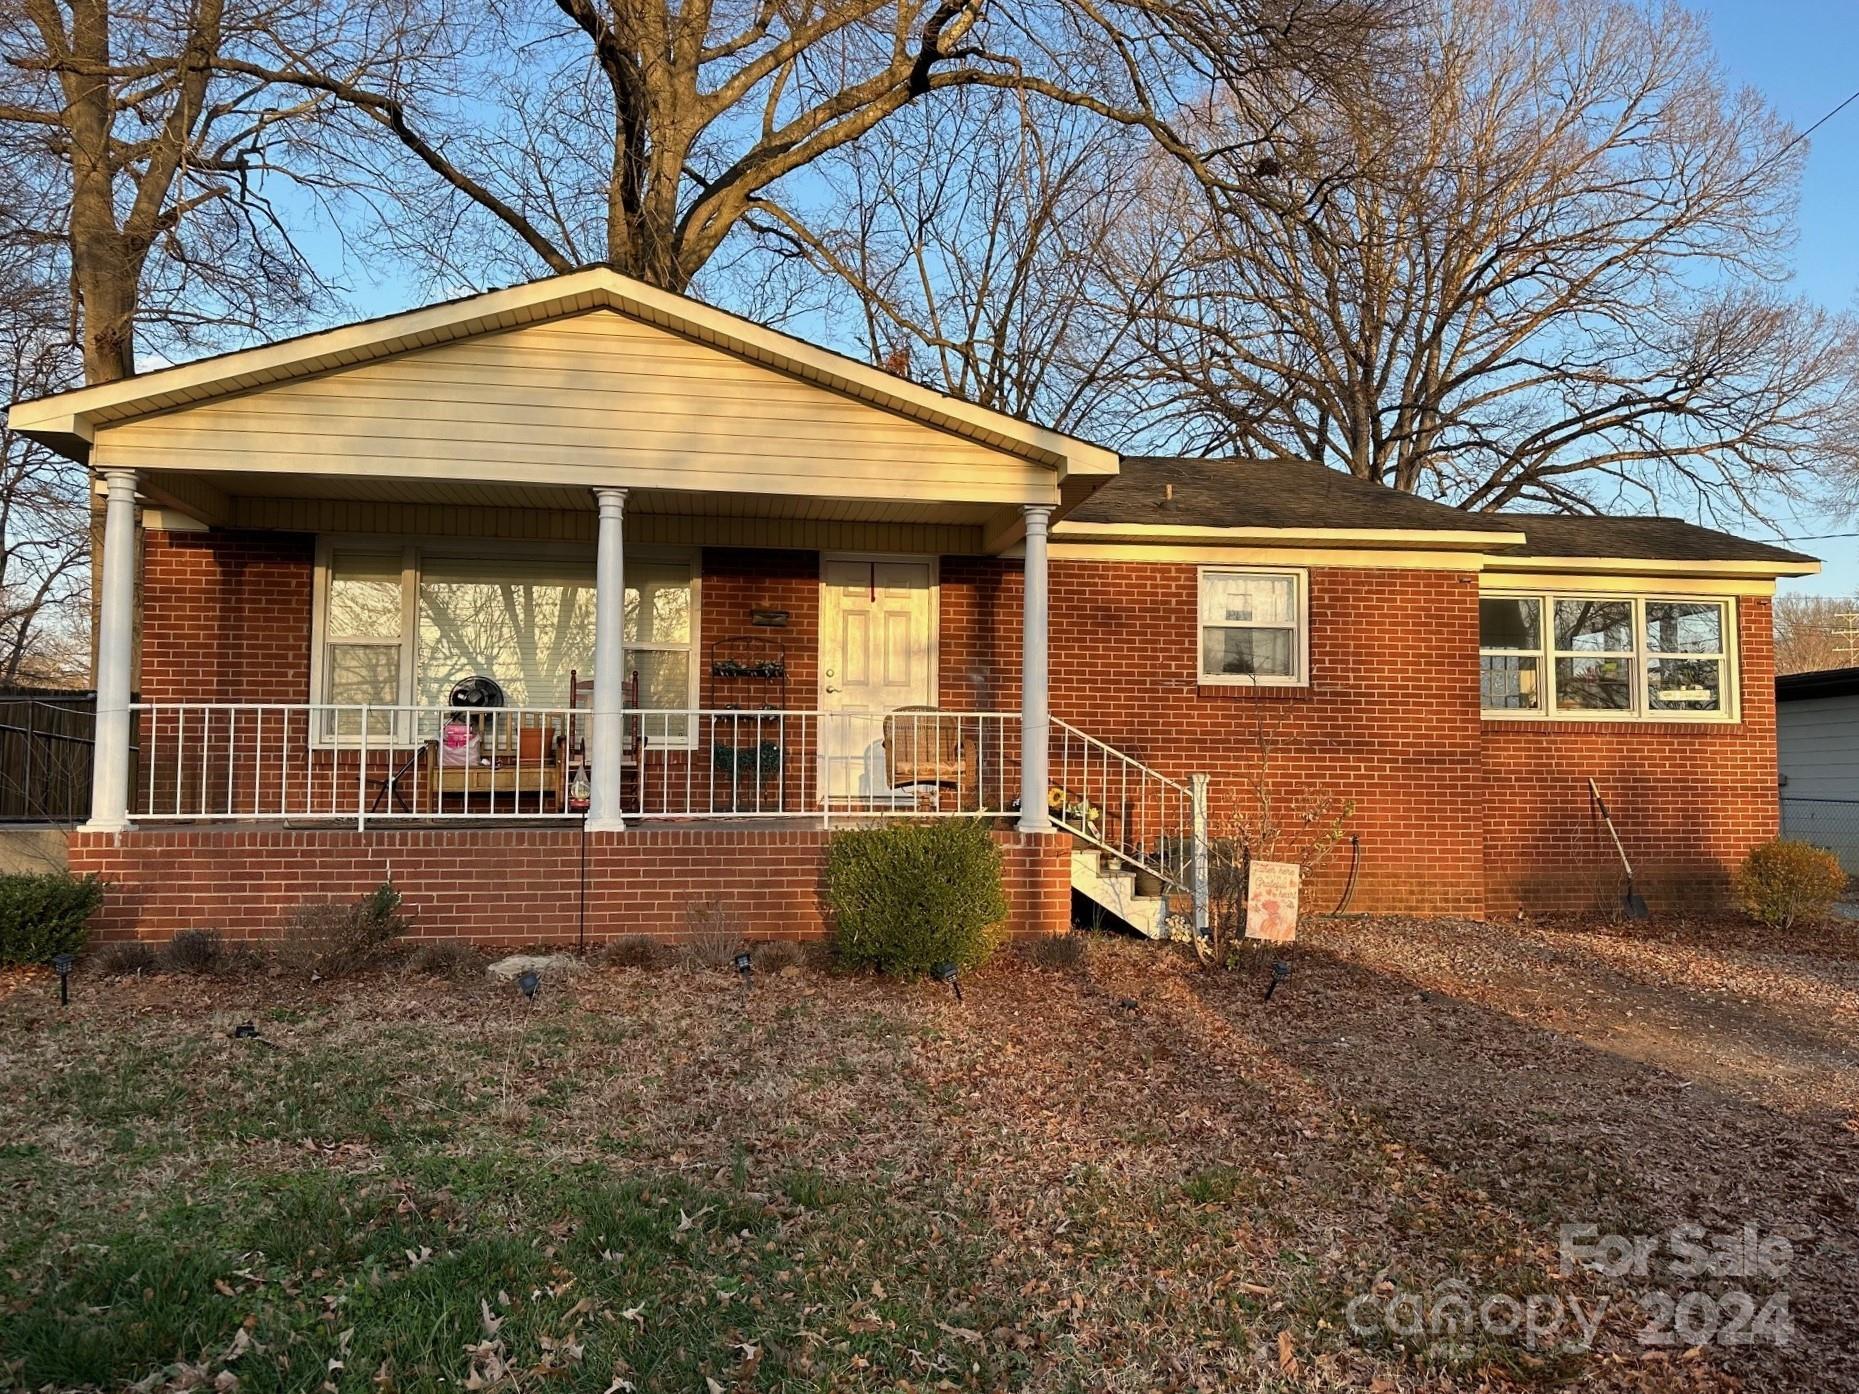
(458, 677)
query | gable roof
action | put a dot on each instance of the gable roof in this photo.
(1653, 539)
(1243, 497)
(68, 421)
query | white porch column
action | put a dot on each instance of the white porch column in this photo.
(607, 746)
(1035, 703)
(116, 624)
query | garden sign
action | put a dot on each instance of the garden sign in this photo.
(1271, 901)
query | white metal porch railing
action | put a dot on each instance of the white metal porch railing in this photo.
(227, 761)
(1121, 805)
(320, 762)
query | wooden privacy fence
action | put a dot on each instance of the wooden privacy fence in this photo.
(46, 739)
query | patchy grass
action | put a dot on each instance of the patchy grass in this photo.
(1129, 1176)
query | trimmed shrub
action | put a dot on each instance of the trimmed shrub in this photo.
(906, 897)
(776, 954)
(712, 935)
(1058, 951)
(635, 951)
(43, 914)
(446, 958)
(332, 939)
(194, 951)
(1783, 883)
(124, 957)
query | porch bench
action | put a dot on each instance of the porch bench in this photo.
(534, 777)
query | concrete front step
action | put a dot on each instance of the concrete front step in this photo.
(1114, 889)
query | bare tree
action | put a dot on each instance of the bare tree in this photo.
(152, 167)
(1813, 632)
(645, 133)
(44, 504)
(970, 242)
(1542, 270)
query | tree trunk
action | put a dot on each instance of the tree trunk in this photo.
(106, 282)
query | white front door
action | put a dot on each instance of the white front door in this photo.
(877, 653)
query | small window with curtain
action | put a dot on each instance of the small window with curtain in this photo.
(658, 644)
(1253, 627)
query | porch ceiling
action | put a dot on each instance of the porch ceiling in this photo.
(561, 513)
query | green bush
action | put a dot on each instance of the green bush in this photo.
(1783, 883)
(906, 897)
(45, 913)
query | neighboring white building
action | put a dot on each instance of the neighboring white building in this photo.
(1817, 747)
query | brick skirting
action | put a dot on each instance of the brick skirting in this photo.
(506, 886)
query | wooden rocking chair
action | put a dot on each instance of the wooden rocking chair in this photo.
(928, 749)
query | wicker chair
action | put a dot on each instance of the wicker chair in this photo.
(929, 749)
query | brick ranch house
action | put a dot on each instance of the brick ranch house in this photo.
(733, 590)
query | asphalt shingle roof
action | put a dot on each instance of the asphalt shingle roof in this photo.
(1235, 493)
(1290, 494)
(1659, 539)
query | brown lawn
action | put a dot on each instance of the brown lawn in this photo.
(1124, 1175)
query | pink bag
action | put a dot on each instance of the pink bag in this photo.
(458, 745)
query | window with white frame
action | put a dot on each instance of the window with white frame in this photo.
(1600, 656)
(1253, 627)
(364, 640)
(402, 628)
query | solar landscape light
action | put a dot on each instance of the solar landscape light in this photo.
(1281, 972)
(945, 973)
(744, 965)
(62, 964)
(529, 980)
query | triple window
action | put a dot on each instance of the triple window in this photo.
(1605, 656)
(402, 627)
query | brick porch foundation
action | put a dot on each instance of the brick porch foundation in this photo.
(506, 886)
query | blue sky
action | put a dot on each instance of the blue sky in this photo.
(1803, 55)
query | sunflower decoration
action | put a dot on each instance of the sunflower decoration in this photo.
(1079, 812)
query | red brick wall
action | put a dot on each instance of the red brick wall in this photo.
(1688, 798)
(505, 886)
(1390, 718)
(226, 616)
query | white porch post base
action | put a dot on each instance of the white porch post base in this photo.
(606, 748)
(109, 776)
(1035, 702)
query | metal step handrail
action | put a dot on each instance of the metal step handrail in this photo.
(1131, 810)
